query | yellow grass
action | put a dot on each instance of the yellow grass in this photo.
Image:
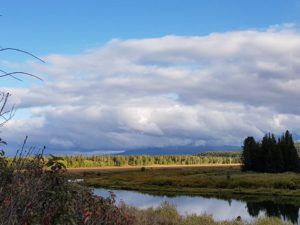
(155, 167)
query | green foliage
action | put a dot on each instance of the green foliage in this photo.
(270, 155)
(225, 154)
(250, 150)
(145, 160)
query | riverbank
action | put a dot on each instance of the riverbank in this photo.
(167, 214)
(225, 182)
(219, 209)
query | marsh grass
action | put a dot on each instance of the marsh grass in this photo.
(166, 214)
(226, 182)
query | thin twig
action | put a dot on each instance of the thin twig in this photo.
(20, 50)
(6, 74)
(19, 72)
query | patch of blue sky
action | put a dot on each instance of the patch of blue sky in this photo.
(69, 26)
(9, 82)
(22, 113)
(172, 96)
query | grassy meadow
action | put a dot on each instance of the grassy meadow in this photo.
(209, 181)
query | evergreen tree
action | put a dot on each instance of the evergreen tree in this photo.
(256, 157)
(279, 164)
(284, 152)
(273, 159)
(292, 160)
(265, 146)
(276, 160)
(270, 155)
(247, 154)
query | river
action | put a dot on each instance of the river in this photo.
(218, 208)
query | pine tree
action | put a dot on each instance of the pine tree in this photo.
(247, 155)
(256, 157)
(265, 156)
(282, 145)
(271, 154)
(277, 158)
(292, 160)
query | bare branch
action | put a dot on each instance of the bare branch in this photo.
(19, 72)
(5, 115)
(2, 71)
(22, 51)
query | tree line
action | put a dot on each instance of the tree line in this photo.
(146, 160)
(270, 154)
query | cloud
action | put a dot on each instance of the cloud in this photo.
(173, 90)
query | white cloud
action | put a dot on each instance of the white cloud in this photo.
(173, 90)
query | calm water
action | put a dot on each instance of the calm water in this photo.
(219, 209)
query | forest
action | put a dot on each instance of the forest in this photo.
(144, 160)
(270, 154)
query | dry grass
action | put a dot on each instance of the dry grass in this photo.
(153, 167)
(167, 214)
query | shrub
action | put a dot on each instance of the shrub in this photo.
(166, 214)
(292, 185)
(33, 193)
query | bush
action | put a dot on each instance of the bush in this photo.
(166, 214)
(292, 185)
(33, 193)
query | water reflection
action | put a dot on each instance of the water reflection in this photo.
(219, 209)
(288, 212)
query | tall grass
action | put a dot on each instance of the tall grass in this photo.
(167, 214)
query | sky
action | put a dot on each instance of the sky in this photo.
(134, 74)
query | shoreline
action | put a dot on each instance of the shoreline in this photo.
(225, 181)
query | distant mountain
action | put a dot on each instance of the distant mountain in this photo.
(174, 150)
(178, 150)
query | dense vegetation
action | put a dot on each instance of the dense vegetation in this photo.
(270, 155)
(224, 154)
(39, 192)
(144, 160)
